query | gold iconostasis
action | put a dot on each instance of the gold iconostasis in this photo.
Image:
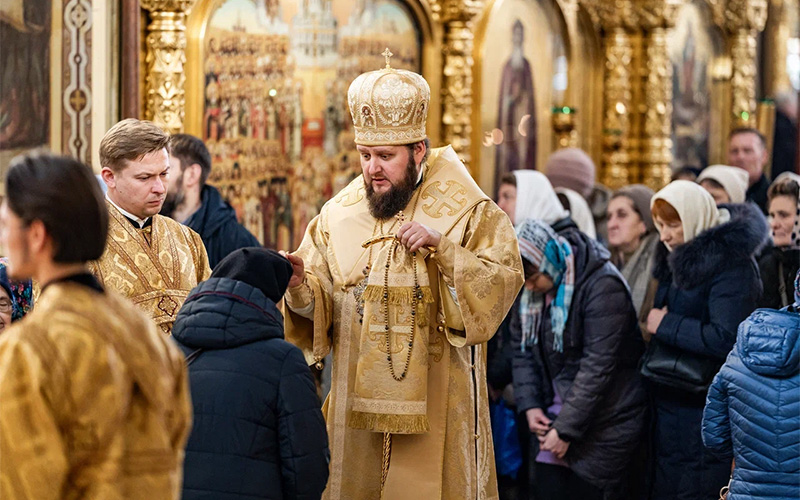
(645, 86)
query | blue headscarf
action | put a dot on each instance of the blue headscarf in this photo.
(797, 290)
(551, 255)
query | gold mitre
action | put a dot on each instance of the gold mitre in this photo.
(389, 106)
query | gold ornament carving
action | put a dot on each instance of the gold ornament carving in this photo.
(657, 133)
(166, 56)
(617, 108)
(611, 14)
(733, 15)
(742, 20)
(743, 80)
(457, 18)
(446, 11)
(657, 17)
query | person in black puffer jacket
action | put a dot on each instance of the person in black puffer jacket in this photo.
(580, 388)
(258, 429)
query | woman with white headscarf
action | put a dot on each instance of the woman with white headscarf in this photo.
(528, 194)
(708, 283)
(780, 261)
(579, 210)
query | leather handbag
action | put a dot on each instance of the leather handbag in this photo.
(677, 368)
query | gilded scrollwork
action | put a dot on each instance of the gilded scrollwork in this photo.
(617, 18)
(732, 15)
(457, 88)
(657, 141)
(167, 5)
(618, 108)
(656, 18)
(458, 20)
(165, 60)
(743, 79)
(611, 14)
(742, 20)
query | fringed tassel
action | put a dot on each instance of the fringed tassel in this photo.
(395, 424)
(397, 295)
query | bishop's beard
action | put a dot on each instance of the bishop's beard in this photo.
(386, 205)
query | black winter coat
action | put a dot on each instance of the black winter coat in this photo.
(709, 285)
(215, 222)
(604, 402)
(258, 430)
(778, 286)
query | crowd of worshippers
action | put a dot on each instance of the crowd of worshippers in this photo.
(652, 352)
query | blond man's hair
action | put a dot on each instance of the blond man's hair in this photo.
(130, 140)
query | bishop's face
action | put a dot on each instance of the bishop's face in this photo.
(390, 175)
(141, 186)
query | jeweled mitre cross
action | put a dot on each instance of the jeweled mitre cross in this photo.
(387, 54)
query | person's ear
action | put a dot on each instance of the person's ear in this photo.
(108, 177)
(192, 175)
(37, 237)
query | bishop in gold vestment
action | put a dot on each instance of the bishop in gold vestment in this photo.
(478, 273)
(155, 267)
(407, 414)
(94, 401)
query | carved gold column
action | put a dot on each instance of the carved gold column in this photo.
(457, 18)
(166, 55)
(657, 18)
(617, 20)
(742, 20)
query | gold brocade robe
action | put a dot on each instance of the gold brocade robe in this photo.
(155, 267)
(94, 402)
(478, 261)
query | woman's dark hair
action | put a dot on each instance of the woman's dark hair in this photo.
(784, 187)
(509, 179)
(64, 194)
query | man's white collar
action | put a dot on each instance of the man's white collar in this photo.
(137, 220)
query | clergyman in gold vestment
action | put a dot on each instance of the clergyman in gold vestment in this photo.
(149, 258)
(408, 317)
(94, 399)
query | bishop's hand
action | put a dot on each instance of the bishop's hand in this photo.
(298, 269)
(414, 236)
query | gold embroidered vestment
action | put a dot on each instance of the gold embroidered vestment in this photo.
(474, 278)
(94, 402)
(156, 267)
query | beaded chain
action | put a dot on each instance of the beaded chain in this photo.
(416, 296)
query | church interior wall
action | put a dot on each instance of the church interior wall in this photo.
(84, 71)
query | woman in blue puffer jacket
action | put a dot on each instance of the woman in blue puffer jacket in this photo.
(753, 407)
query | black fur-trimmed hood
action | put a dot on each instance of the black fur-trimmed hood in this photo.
(715, 249)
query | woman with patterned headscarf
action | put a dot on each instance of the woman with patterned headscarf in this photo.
(16, 297)
(779, 262)
(576, 346)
